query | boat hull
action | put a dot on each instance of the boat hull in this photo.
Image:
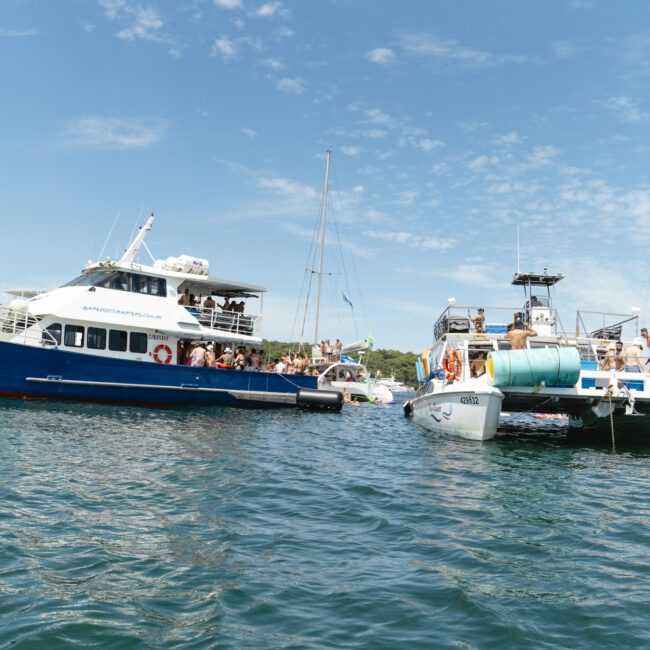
(470, 414)
(30, 372)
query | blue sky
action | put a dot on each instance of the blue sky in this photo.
(451, 123)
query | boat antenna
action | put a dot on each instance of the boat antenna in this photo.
(110, 232)
(322, 241)
(518, 248)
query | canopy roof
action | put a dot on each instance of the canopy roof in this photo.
(220, 287)
(536, 279)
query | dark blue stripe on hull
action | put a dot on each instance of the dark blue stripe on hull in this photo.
(184, 385)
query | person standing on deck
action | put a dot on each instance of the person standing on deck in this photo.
(517, 337)
(478, 320)
(198, 355)
(633, 357)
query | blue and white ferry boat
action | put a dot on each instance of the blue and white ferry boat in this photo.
(117, 333)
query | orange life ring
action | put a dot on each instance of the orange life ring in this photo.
(168, 354)
(452, 365)
(224, 365)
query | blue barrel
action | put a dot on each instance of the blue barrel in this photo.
(548, 366)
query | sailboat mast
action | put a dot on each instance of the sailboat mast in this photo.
(323, 220)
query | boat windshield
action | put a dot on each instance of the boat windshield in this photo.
(88, 279)
(122, 281)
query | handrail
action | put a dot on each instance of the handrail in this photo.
(20, 321)
(227, 321)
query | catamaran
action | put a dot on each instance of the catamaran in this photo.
(118, 334)
(558, 372)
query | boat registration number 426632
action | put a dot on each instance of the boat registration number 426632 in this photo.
(469, 399)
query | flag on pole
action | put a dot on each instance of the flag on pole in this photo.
(347, 299)
(370, 340)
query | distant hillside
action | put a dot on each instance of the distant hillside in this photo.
(389, 362)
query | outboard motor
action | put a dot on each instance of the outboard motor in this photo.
(319, 400)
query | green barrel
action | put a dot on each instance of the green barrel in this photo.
(548, 366)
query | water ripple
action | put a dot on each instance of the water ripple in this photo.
(220, 528)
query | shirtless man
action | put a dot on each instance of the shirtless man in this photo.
(240, 359)
(517, 337)
(210, 356)
(477, 366)
(209, 303)
(633, 357)
(614, 359)
(478, 320)
(254, 360)
(198, 355)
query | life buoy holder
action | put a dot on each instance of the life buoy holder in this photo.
(167, 358)
(452, 365)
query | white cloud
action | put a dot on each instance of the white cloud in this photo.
(481, 162)
(431, 48)
(98, 132)
(228, 4)
(274, 64)
(428, 144)
(287, 187)
(249, 133)
(284, 32)
(625, 109)
(268, 9)
(377, 116)
(506, 139)
(542, 156)
(409, 239)
(17, 33)
(223, 47)
(358, 189)
(145, 23)
(293, 85)
(351, 151)
(564, 49)
(381, 55)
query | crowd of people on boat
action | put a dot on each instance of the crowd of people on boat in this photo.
(188, 299)
(206, 355)
(329, 351)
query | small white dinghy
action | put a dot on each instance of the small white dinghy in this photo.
(469, 409)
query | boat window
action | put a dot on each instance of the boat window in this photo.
(138, 342)
(74, 336)
(54, 330)
(96, 338)
(117, 340)
(504, 345)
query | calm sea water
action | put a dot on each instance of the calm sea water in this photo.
(127, 528)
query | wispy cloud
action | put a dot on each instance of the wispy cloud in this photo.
(506, 139)
(410, 239)
(625, 109)
(381, 55)
(429, 47)
(144, 22)
(223, 47)
(268, 9)
(17, 33)
(249, 133)
(295, 85)
(113, 133)
(351, 151)
(228, 4)
(273, 64)
(288, 187)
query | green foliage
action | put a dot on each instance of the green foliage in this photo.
(393, 362)
(389, 362)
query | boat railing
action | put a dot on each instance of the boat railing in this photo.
(17, 321)
(457, 319)
(226, 321)
(605, 325)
